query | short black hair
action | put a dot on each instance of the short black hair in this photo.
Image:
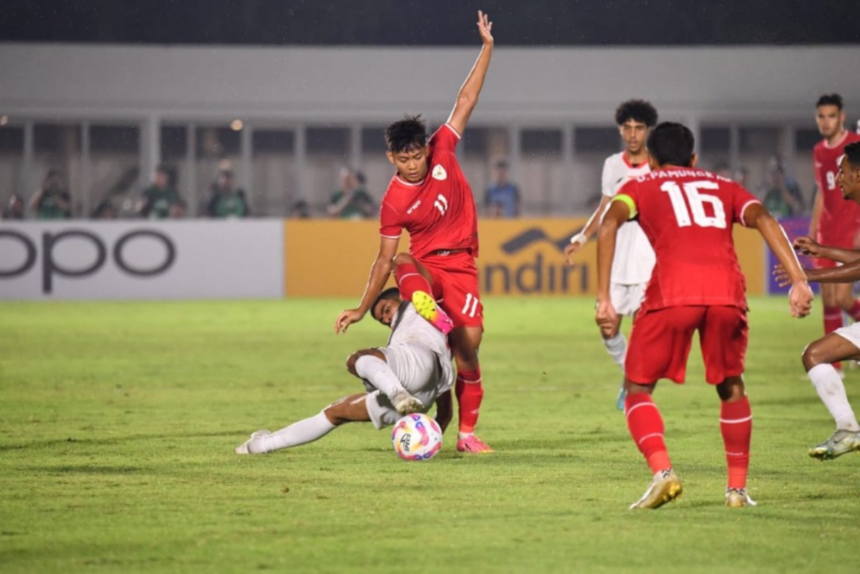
(638, 111)
(672, 144)
(830, 100)
(406, 134)
(390, 293)
(852, 152)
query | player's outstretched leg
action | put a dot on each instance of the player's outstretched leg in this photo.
(736, 428)
(350, 409)
(616, 346)
(415, 287)
(646, 428)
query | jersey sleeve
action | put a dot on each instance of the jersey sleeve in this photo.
(629, 194)
(741, 200)
(389, 221)
(607, 185)
(445, 138)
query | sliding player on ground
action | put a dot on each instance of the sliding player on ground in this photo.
(411, 373)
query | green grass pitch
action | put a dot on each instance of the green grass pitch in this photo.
(118, 423)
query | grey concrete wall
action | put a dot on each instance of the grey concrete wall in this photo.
(537, 85)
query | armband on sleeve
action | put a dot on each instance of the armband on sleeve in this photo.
(630, 204)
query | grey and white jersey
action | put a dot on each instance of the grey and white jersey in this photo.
(411, 328)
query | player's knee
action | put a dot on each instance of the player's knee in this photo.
(350, 362)
(403, 258)
(812, 355)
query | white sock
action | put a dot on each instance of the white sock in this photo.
(379, 374)
(304, 431)
(617, 349)
(830, 388)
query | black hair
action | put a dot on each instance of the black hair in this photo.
(502, 163)
(406, 134)
(830, 100)
(672, 144)
(360, 178)
(390, 293)
(852, 152)
(638, 111)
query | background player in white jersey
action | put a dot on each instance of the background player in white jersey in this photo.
(634, 257)
(409, 374)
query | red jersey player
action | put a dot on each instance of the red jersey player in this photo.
(687, 215)
(835, 221)
(430, 198)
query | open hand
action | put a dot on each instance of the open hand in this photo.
(570, 250)
(807, 246)
(346, 318)
(485, 28)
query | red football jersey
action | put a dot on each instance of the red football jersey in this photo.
(687, 215)
(840, 218)
(438, 212)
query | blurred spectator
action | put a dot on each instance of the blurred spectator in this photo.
(51, 201)
(161, 200)
(300, 209)
(351, 201)
(224, 199)
(503, 196)
(740, 175)
(14, 208)
(104, 210)
(782, 195)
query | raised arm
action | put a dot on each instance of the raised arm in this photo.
(471, 88)
(800, 295)
(379, 273)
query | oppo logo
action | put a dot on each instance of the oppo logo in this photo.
(122, 252)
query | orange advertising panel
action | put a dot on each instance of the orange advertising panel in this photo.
(518, 257)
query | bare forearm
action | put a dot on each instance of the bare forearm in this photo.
(776, 239)
(816, 214)
(839, 254)
(605, 253)
(379, 274)
(844, 274)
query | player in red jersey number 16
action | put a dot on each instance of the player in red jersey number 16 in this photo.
(430, 198)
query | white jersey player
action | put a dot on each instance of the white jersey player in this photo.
(634, 260)
(411, 373)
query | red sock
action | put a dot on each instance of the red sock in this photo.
(854, 311)
(470, 393)
(833, 321)
(409, 280)
(646, 428)
(736, 426)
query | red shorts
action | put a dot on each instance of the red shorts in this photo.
(661, 339)
(455, 287)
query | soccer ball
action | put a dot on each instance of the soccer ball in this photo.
(416, 437)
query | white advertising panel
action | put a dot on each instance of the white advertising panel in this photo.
(142, 259)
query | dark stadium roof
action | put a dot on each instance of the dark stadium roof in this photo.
(431, 22)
